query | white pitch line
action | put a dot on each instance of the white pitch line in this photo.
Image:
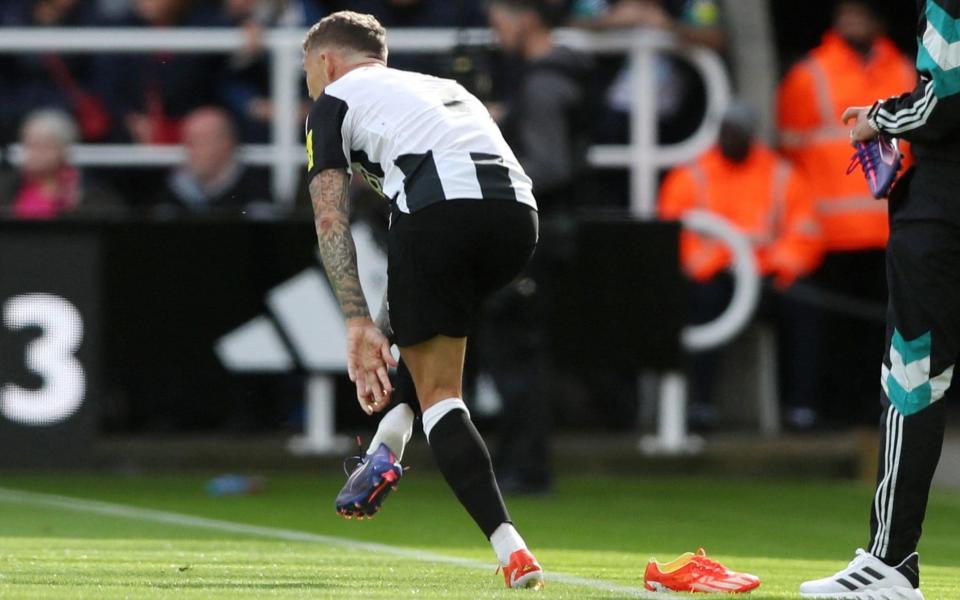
(111, 509)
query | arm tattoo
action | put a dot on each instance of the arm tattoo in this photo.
(329, 194)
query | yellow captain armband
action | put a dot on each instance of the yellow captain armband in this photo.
(703, 13)
(309, 149)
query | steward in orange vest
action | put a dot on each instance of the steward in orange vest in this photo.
(853, 66)
(746, 183)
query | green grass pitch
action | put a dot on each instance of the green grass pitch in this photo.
(595, 533)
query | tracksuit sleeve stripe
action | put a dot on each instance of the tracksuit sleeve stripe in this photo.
(911, 117)
(892, 117)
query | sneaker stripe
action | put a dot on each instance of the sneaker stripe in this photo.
(850, 586)
(859, 578)
(874, 574)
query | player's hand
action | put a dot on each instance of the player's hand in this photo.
(862, 129)
(368, 364)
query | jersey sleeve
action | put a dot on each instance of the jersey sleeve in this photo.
(328, 145)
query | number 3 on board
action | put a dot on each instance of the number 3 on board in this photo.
(51, 356)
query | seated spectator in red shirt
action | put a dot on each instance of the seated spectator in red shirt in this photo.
(47, 186)
(213, 178)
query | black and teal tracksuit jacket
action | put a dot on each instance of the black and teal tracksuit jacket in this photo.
(929, 116)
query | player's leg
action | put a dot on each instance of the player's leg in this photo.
(396, 427)
(923, 344)
(379, 470)
(461, 454)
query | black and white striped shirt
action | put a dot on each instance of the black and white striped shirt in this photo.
(416, 139)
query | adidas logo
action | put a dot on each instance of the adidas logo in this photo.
(303, 324)
(303, 327)
(854, 581)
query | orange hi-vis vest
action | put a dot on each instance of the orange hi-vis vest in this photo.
(811, 100)
(764, 197)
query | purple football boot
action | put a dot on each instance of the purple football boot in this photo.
(369, 484)
(880, 161)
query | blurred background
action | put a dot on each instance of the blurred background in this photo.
(709, 290)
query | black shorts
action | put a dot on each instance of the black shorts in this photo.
(444, 260)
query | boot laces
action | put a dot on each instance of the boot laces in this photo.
(354, 461)
(862, 157)
(711, 566)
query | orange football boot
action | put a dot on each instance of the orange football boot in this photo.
(523, 571)
(696, 573)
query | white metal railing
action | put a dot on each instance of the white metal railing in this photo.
(643, 157)
(672, 436)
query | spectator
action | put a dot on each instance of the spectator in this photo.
(29, 81)
(149, 94)
(419, 13)
(743, 181)
(213, 178)
(246, 86)
(545, 120)
(47, 186)
(854, 65)
(680, 98)
(547, 117)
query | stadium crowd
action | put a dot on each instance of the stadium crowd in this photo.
(812, 228)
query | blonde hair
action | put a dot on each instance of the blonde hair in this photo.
(347, 29)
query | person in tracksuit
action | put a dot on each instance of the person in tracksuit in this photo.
(923, 317)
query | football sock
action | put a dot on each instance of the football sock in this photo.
(506, 541)
(432, 415)
(465, 463)
(394, 430)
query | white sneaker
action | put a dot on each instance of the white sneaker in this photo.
(869, 578)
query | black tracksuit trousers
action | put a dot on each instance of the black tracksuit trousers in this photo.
(922, 347)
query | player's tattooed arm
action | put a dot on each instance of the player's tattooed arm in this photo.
(330, 196)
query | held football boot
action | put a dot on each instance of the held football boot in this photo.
(696, 573)
(523, 572)
(880, 161)
(369, 484)
(869, 578)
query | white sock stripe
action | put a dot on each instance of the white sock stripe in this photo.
(893, 484)
(432, 415)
